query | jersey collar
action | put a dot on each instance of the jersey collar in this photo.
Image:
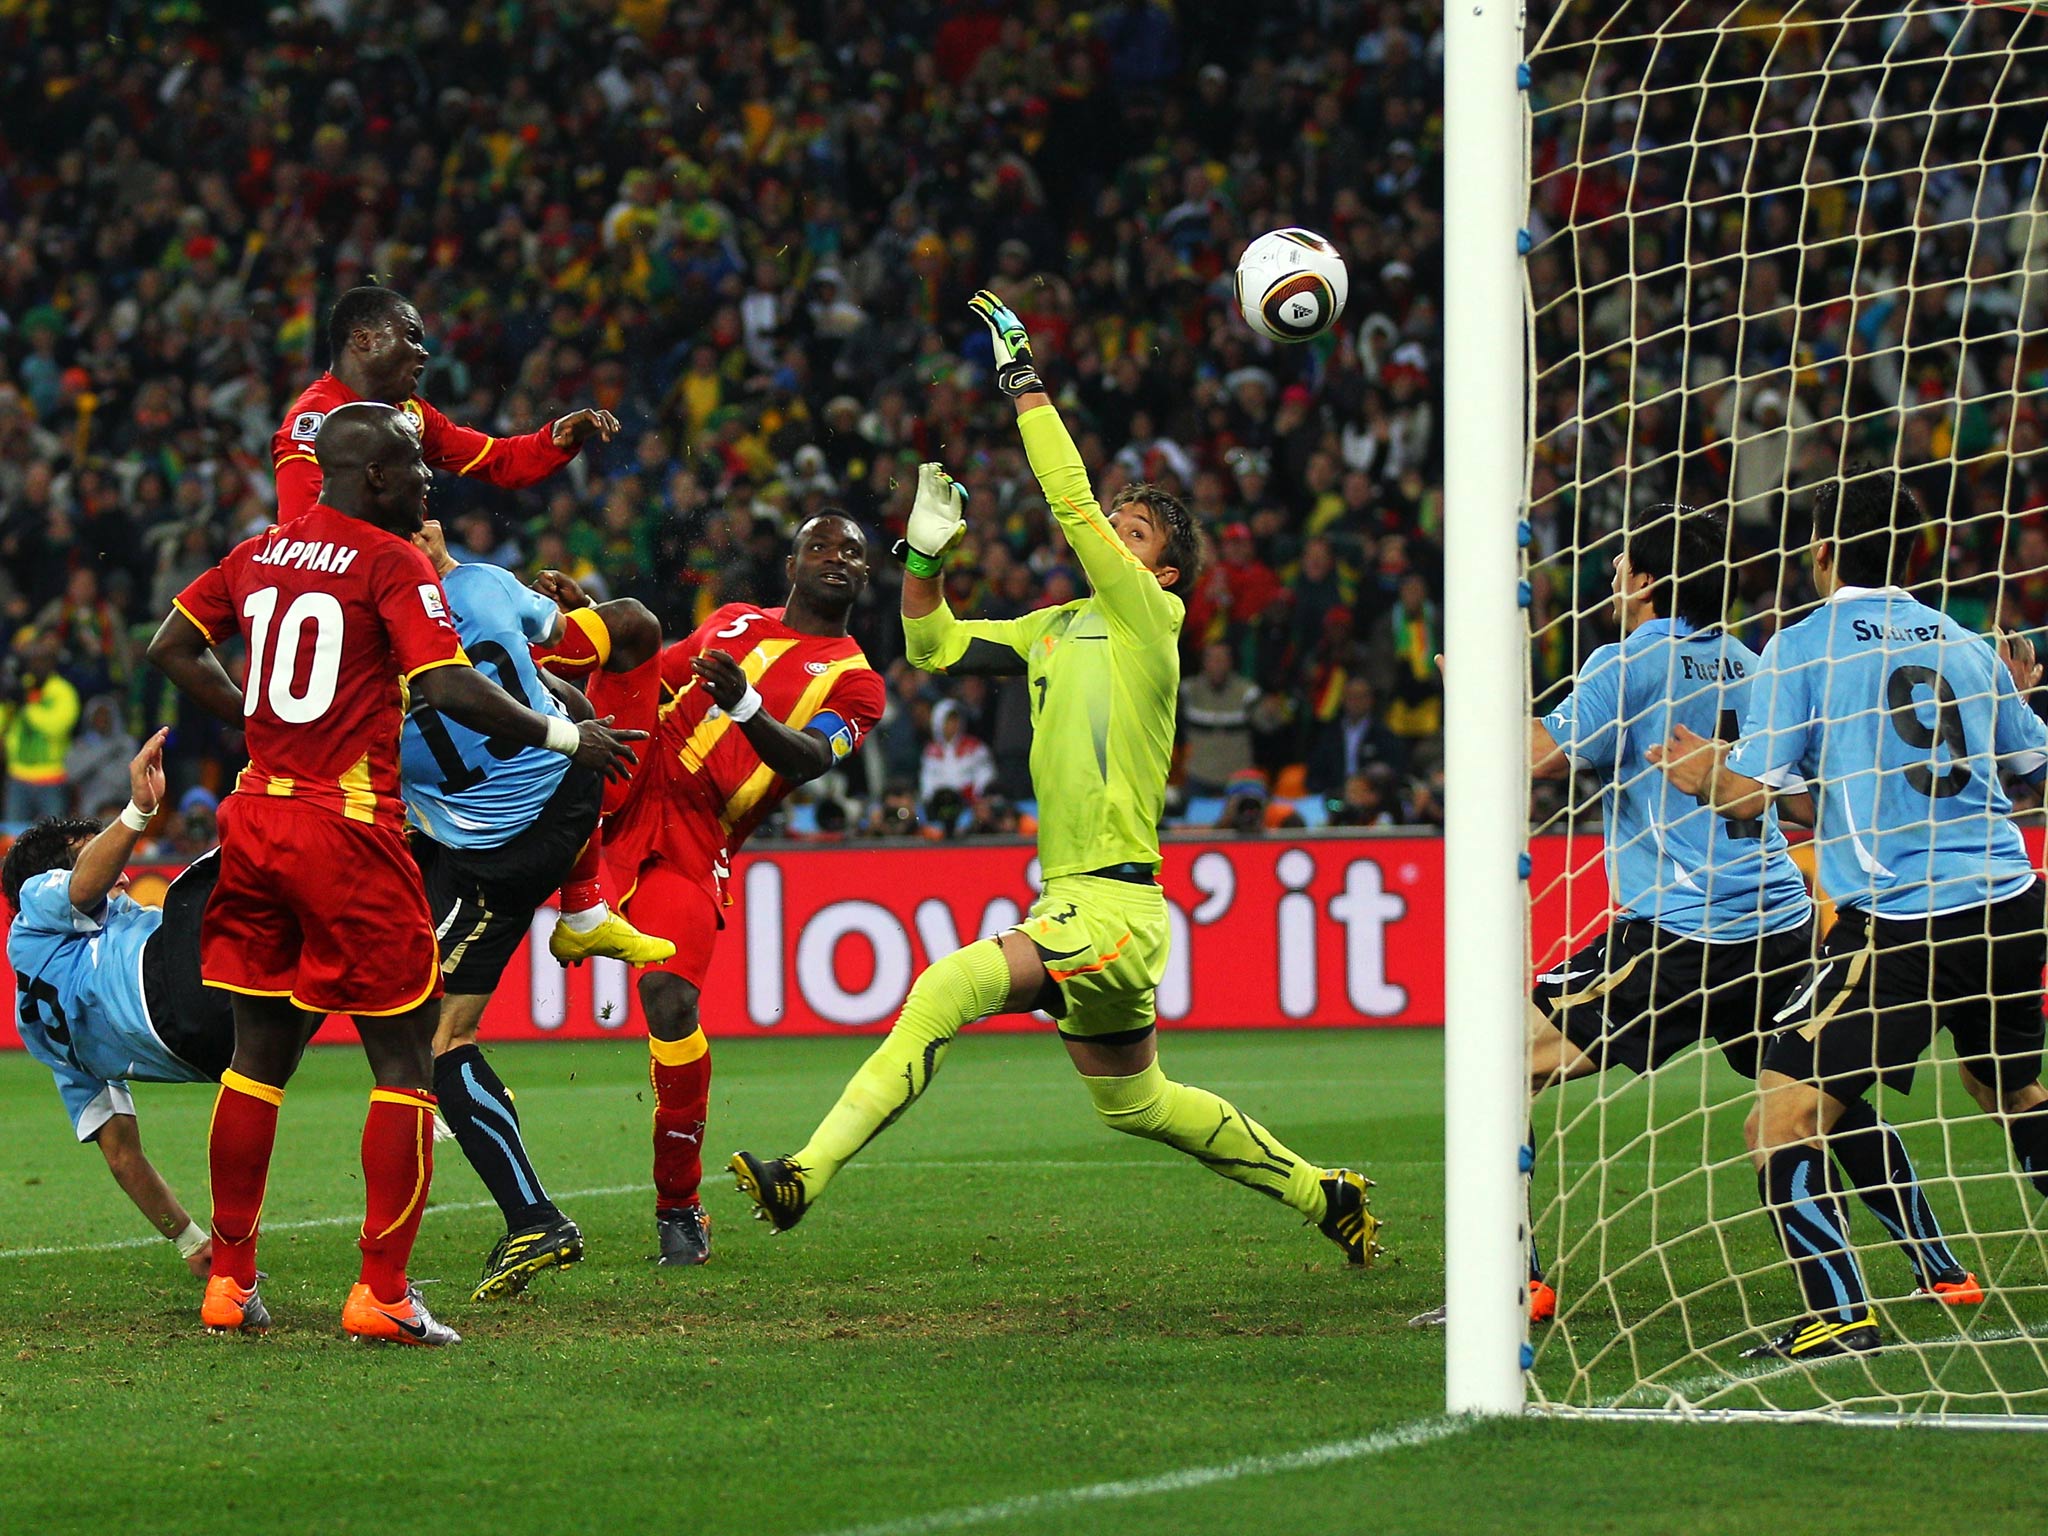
(1852, 594)
(1676, 627)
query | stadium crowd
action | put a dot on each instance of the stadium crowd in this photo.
(748, 230)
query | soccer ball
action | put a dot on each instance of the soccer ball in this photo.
(1291, 285)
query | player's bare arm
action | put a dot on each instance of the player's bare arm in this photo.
(798, 756)
(181, 651)
(120, 1143)
(99, 871)
(1698, 767)
(469, 698)
(1547, 760)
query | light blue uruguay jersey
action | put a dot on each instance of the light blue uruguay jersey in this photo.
(78, 999)
(1670, 859)
(1898, 720)
(462, 788)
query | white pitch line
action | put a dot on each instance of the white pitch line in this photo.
(1421, 1432)
(602, 1191)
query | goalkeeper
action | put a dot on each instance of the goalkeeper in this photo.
(1104, 672)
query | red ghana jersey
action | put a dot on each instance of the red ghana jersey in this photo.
(510, 462)
(710, 769)
(336, 612)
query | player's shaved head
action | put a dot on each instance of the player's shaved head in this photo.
(829, 515)
(370, 466)
(359, 433)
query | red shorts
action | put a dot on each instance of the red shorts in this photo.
(686, 909)
(314, 907)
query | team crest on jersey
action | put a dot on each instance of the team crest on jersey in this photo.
(410, 410)
(306, 425)
(817, 668)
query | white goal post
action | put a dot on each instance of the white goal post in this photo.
(1718, 253)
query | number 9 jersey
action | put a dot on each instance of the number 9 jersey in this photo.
(319, 899)
(1899, 721)
(336, 613)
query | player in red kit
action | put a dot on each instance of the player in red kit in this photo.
(319, 907)
(756, 702)
(378, 345)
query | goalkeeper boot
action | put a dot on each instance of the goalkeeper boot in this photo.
(614, 939)
(363, 1316)
(1958, 1288)
(522, 1254)
(1348, 1220)
(1816, 1338)
(229, 1307)
(685, 1235)
(775, 1185)
(1542, 1301)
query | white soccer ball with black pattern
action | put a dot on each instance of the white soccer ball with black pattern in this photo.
(1291, 285)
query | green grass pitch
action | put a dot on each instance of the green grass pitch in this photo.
(1000, 1305)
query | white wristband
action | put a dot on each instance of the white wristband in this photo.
(563, 737)
(135, 818)
(748, 706)
(191, 1240)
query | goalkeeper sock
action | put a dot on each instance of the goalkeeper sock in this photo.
(1212, 1131)
(479, 1110)
(1798, 1188)
(680, 1071)
(968, 984)
(238, 1144)
(2029, 1132)
(1874, 1161)
(398, 1170)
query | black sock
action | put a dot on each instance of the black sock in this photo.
(1529, 1190)
(479, 1111)
(2029, 1132)
(1875, 1162)
(1813, 1224)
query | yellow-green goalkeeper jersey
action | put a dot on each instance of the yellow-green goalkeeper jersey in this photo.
(1103, 674)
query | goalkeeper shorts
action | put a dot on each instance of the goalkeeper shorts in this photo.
(1104, 944)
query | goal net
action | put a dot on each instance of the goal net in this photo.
(1768, 243)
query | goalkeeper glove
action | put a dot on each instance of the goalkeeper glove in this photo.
(935, 522)
(1016, 369)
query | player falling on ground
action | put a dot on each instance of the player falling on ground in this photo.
(1104, 675)
(1712, 934)
(378, 345)
(756, 702)
(319, 907)
(1897, 721)
(500, 825)
(107, 991)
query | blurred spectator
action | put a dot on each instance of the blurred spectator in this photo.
(38, 711)
(1356, 740)
(954, 760)
(1244, 804)
(97, 763)
(1216, 717)
(1369, 799)
(1405, 648)
(895, 813)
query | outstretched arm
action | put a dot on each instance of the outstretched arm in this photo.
(101, 861)
(120, 1143)
(469, 698)
(934, 640)
(1132, 601)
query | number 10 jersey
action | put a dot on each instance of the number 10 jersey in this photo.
(1899, 721)
(336, 613)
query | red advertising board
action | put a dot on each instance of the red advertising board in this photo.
(1321, 931)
